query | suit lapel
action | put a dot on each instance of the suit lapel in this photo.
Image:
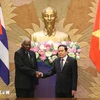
(26, 57)
(58, 61)
(60, 66)
(30, 59)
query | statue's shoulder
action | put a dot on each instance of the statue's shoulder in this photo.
(37, 33)
(61, 33)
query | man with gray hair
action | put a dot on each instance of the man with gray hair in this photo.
(26, 70)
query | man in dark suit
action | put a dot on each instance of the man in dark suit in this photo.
(26, 70)
(65, 68)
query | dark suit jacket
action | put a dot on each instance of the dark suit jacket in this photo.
(25, 69)
(67, 78)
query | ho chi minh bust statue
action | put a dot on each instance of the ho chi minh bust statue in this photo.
(49, 16)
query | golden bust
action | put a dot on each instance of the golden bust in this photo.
(49, 17)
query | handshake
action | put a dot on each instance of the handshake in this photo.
(39, 74)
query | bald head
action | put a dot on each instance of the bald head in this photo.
(49, 9)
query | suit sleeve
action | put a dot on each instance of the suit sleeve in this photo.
(36, 67)
(19, 64)
(51, 72)
(74, 75)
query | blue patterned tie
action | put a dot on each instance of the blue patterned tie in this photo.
(28, 55)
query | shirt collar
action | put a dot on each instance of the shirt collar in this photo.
(65, 57)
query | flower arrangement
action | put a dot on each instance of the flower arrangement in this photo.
(47, 51)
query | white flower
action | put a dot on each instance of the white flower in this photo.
(54, 57)
(77, 57)
(49, 57)
(50, 42)
(36, 43)
(71, 54)
(55, 45)
(37, 55)
(48, 53)
(63, 42)
(71, 45)
(42, 47)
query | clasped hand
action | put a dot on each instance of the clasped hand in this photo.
(39, 74)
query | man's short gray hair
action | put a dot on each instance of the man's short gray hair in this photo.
(25, 39)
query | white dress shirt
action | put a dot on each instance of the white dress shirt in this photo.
(64, 60)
